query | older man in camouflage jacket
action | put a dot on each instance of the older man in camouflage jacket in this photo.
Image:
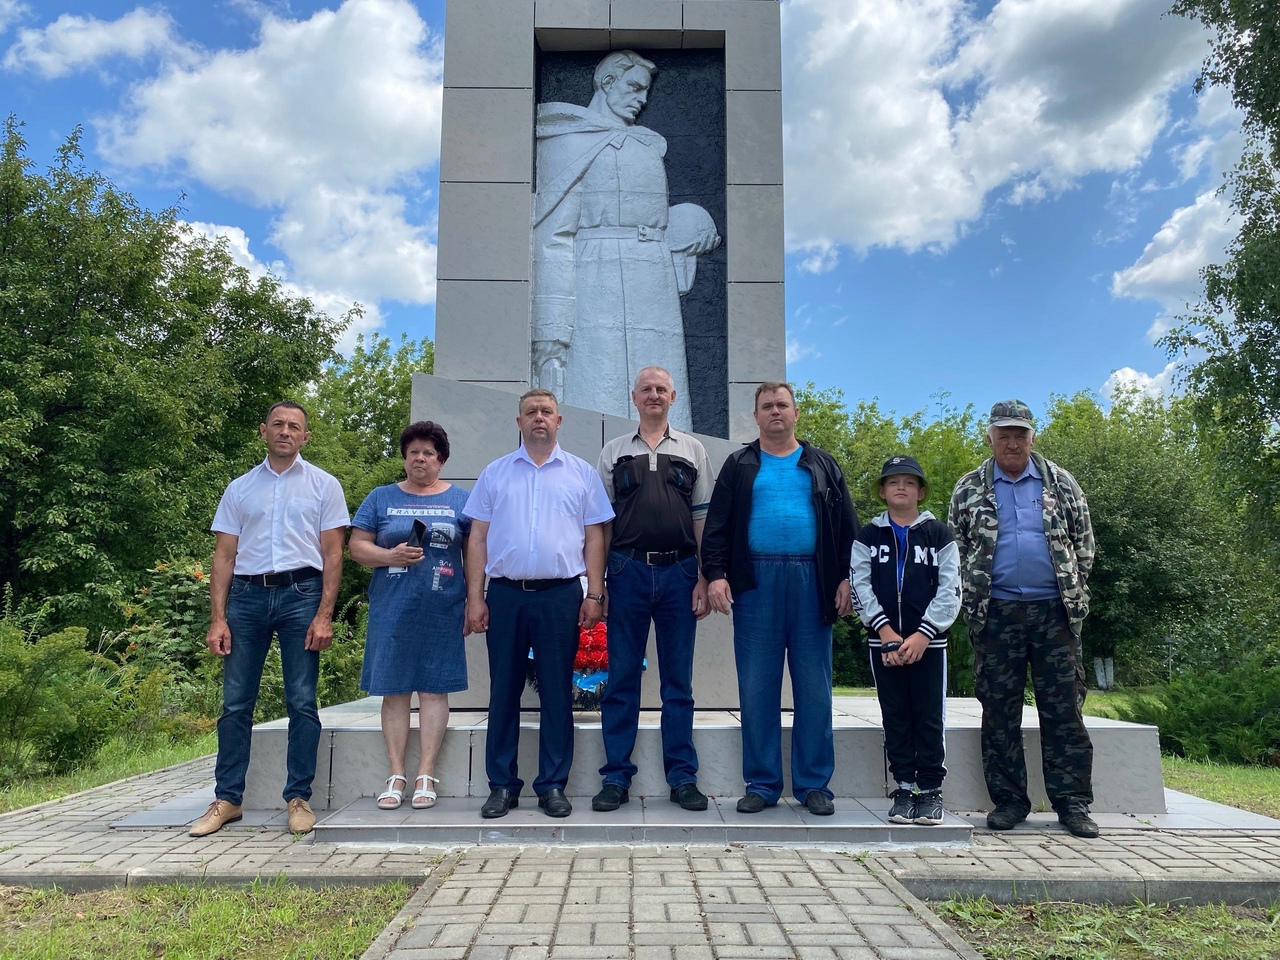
(1026, 547)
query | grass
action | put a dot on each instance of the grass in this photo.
(119, 757)
(1249, 788)
(271, 920)
(1055, 931)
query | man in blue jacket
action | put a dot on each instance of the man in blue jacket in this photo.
(775, 553)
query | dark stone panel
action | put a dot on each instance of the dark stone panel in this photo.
(687, 106)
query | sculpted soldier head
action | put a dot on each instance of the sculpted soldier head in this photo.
(622, 81)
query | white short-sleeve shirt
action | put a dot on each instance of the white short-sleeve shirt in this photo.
(278, 517)
(536, 515)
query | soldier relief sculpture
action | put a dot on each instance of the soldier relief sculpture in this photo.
(611, 259)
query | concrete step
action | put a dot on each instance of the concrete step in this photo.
(644, 820)
(351, 763)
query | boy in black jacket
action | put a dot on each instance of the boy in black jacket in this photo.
(905, 571)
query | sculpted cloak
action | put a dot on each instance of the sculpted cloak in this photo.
(603, 277)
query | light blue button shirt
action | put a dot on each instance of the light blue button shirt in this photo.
(1022, 568)
(536, 514)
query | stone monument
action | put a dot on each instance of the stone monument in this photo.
(542, 168)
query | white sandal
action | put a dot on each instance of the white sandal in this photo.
(424, 795)
(391, 797)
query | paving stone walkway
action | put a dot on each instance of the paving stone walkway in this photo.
(664, 902)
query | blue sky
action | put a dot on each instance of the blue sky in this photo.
(983, 199)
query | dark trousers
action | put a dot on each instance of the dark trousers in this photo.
(547, 622)
(1015, 636)
(638, 594)
(912, 708)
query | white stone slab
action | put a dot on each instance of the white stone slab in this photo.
(753, 128)
(487, 226)
(479, 139)
(574, 14)
(753, 47)
(491, 38)
(757, 333)
(754, 237)
(495, 314)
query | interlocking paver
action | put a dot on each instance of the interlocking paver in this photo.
(651, 902)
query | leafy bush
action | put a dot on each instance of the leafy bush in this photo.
(1227, 715)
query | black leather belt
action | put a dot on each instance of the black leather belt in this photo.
(657, 558)
(529, 586)
(280, 579)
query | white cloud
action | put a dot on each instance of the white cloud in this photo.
(329, 299)
(797, 351)
(1127, 378)
(73, 43)
(1168, 271)
(912, 114)
(11, 11)
(332, 121)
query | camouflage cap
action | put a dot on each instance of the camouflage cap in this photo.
(1012, 413)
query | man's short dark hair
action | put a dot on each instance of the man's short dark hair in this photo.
(771, 385)
(426, 430)
(537, 392)
(288, 405)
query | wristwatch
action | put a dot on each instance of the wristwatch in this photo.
(597, 597)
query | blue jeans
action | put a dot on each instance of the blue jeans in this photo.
(781, 617)
(254, 613)
(639, 593)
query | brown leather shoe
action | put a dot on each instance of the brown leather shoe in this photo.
(219, 814)
(301, 819)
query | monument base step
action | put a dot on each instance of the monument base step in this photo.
(351, 762)
(457, 820)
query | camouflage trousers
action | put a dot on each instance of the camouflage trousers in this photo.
(1036, 634)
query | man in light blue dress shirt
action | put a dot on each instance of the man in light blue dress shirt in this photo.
(537, 524)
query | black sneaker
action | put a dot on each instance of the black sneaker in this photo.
(1079, 824)
(689, 796)
(610, 797)
(819, 804)
(1005, 817)
(929, 808)
(904, 806)
(751, 803)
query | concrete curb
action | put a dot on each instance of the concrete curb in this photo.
(924, 914)
(103, 786)
(1232, 892)
(386, 941)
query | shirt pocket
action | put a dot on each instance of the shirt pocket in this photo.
(682, 476)
(302, 512)
(628, 475)
(568, 502)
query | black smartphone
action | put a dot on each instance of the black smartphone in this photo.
(415, 536)
(890, 646)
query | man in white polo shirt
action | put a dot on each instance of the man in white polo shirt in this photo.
(276, 567)
(537, 524)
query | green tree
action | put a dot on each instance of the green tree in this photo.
(1169, 567)
(136, 361)
(1232, 338)
(359, 404)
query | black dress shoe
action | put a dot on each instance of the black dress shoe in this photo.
(499, 802)
(751, 803)
(555, 804)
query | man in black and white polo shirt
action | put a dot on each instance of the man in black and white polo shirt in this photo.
(660, 484)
